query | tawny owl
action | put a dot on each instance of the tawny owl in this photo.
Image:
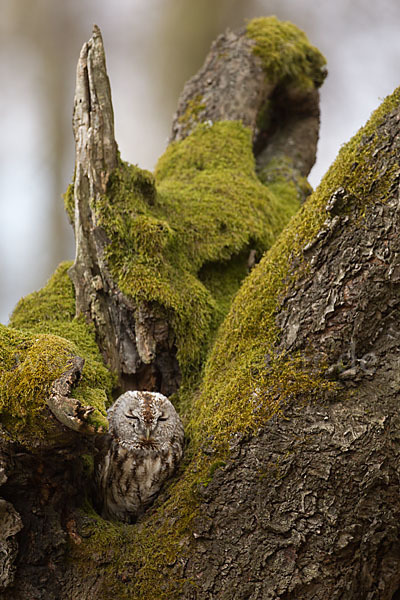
(145, 448)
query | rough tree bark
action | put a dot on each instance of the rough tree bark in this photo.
(301, 500)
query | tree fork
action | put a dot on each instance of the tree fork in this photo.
(137, 338)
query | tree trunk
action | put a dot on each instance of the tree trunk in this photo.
(308, 507)
(289, 488)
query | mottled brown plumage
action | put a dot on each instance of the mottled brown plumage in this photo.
(146, 444)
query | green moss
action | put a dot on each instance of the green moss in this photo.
(192, 114)
(209, 207)
(217, 464)
(284, 180)
(286, 53)
(69, 202)
(50, 311)
(29, 364)
(222, 280)
(88, 464)
(54, 303)
(185, 246)
(170, 247)
(136, 554)
(359, 168)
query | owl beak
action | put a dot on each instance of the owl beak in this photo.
(148, 432)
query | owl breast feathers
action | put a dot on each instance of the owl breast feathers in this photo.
(145, 448)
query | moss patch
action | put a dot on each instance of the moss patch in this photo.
(29, 364)
(168, 247)
(286, 53)
(208, 208)
(69, 202)
(44, 321)
(193, 113)
(284, 180)
(133, 554)
(182, 240)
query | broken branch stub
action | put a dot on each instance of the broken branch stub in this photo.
(96, 157)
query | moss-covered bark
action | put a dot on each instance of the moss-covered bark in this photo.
(256, 372)
(312, 340)
(42, 338)
(207, 208)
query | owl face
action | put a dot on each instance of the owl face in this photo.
(145, 419)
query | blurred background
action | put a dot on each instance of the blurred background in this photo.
(152, 48)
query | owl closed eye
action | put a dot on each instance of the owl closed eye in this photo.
(146, 445)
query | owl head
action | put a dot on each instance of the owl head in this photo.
(144, 419)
